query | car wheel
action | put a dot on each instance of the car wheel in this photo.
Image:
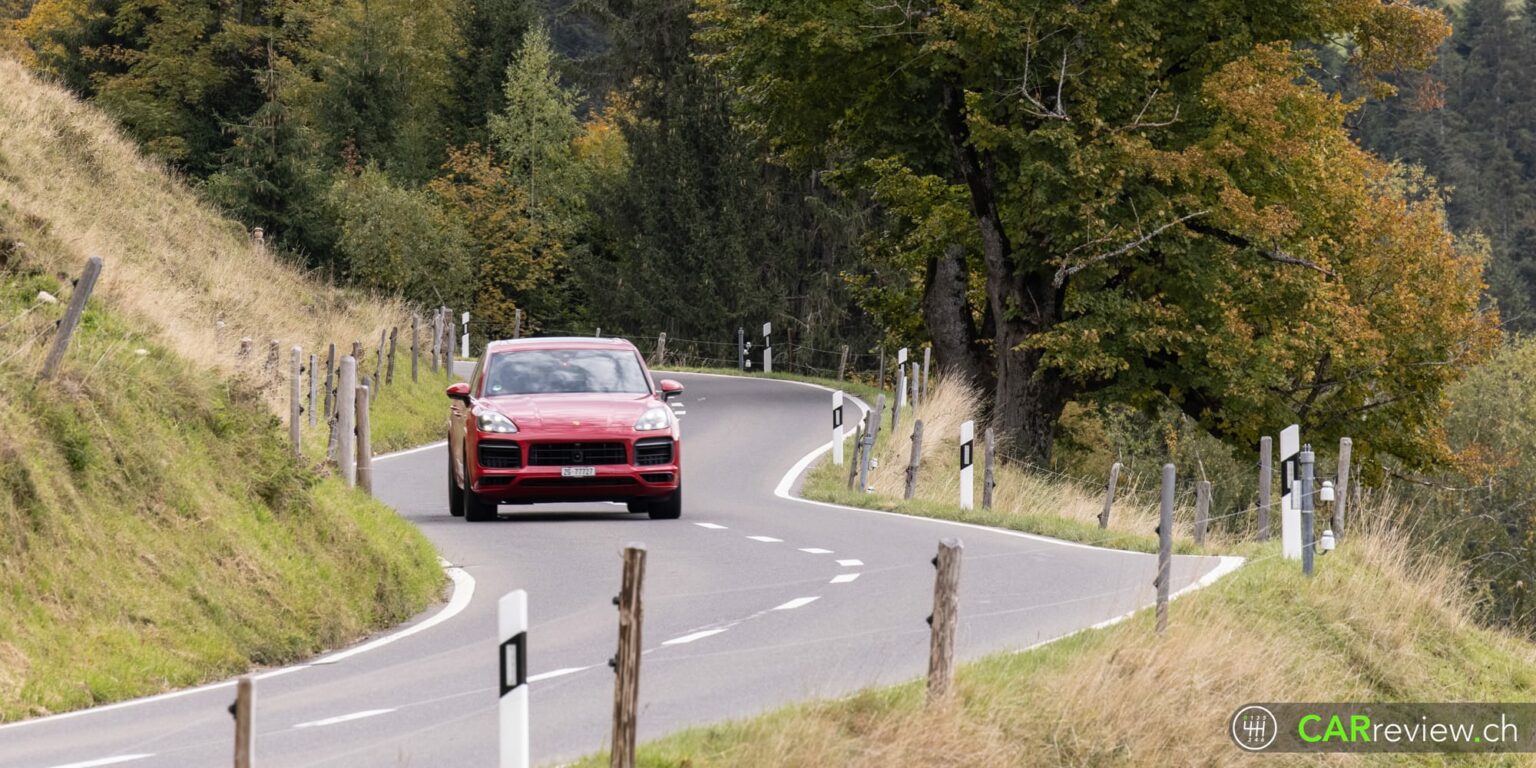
(476, 510)
(639, 507)
(455, 496)
(670, 508)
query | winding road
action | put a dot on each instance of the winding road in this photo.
(753, 599)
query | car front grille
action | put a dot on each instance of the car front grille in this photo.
(575, 454)
(649, 453)
(500, 455)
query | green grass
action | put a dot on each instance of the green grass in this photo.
(405, 414)
(1373, 625)
(156, 531)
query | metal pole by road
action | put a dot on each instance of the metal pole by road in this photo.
(1164, 547)
(967, 460)
(626, 663)
(346, 420)
(837, 428)
(72, 313)
(364, 440)
(512, 711)
(1308, 511)
(946, 608)
(1266, 475)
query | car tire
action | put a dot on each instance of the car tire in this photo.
(638, 507)
(670, 508)
(476, 510)
(455, 495)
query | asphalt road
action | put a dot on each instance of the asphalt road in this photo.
(752, 600)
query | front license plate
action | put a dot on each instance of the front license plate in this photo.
(578, 471)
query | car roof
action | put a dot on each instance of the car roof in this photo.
(558, 342)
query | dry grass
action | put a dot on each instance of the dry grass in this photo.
(72, 186)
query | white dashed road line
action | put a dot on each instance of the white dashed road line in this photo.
(557, 673)
(850, 563)
(344, 718)
(765, 539)
(711, 526)
(816, 551)
(105, 761)
(693, 637)
(797, 603)
(843, 578)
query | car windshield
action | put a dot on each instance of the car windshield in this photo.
(564, 371)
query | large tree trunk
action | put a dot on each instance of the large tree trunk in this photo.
(948, 314)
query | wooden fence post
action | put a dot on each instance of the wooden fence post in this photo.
(330, 382)
(1109, 495)
(452, 327)
(1164, 547)
(83, 288)
(437, 336)
(269, 368)
(1346, 447)
(858, 451)
(946, 605)
(346, 420)
(880, 380)
(415, 344)
(378, 362)
(1266, 471)
(626, 664)
(842, 364)
(987, 480)
(661, 349)
(364, 439)
(1202, 510)
(246, 345)
(244, 710)
(517, 324)
(314, 387)
(389, 371)
(296, 395)
(927, 353)
(917, 458)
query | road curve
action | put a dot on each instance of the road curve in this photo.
(751, 601)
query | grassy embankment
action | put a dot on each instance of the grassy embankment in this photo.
(1375, 624)
(155, 531)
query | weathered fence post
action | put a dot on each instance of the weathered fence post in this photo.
(452, 343)
(626, 664)
(1109, 495)
(661, 349)
(346, 420)
(901, 388)
(923, 390)
(880, 378)
(517, 324)
(378, 363)
(314, 387)
(946, 605)
(1346, 447)
(1266, 473)
(1202, 510)
(364, 439)
(512, 707)
(1164, 547)
(741, 349)
(389, 371)
(842, 364)
(871, 431)
(917, 458)
(987, 481)
(916, 394)
(246, 345)
(296, 397)
(330, 382)
(66, 331)
(437, 336)
(415, 344)
(858, 451)
(244, 711)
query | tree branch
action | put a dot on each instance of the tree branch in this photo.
(1272, 254)
(1066, 271)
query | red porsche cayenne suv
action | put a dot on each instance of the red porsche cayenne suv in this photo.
(563, 419)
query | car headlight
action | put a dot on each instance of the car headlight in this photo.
(491, 421)
(654, 419)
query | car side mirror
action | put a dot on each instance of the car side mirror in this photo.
(460, 392)
(670, 389)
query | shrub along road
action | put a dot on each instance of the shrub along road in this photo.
(752, 600)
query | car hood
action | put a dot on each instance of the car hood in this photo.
(567, 411)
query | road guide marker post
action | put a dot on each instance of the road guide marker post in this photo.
(967, 465)
(767, 348)
(512, 622)
(1290, 508)
(837, 428)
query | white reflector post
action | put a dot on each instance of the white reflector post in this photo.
(967, 472)
(512, 638)
(464, 339)
(767, 347)
(901, 378)
(1290, 509)
(837, 428)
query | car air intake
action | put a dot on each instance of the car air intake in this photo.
(500, 455)
(649, 453)
(576, 454)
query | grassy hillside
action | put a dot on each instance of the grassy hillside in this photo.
(155, 530)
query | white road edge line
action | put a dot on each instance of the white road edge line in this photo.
(766, 539)
(463, 590)
(105, 761)
(693, 637)
(850, 563)
(815, 551)
(554, 673)
(344, 718)
(798, 602)
(843, 578)
(409, 451)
